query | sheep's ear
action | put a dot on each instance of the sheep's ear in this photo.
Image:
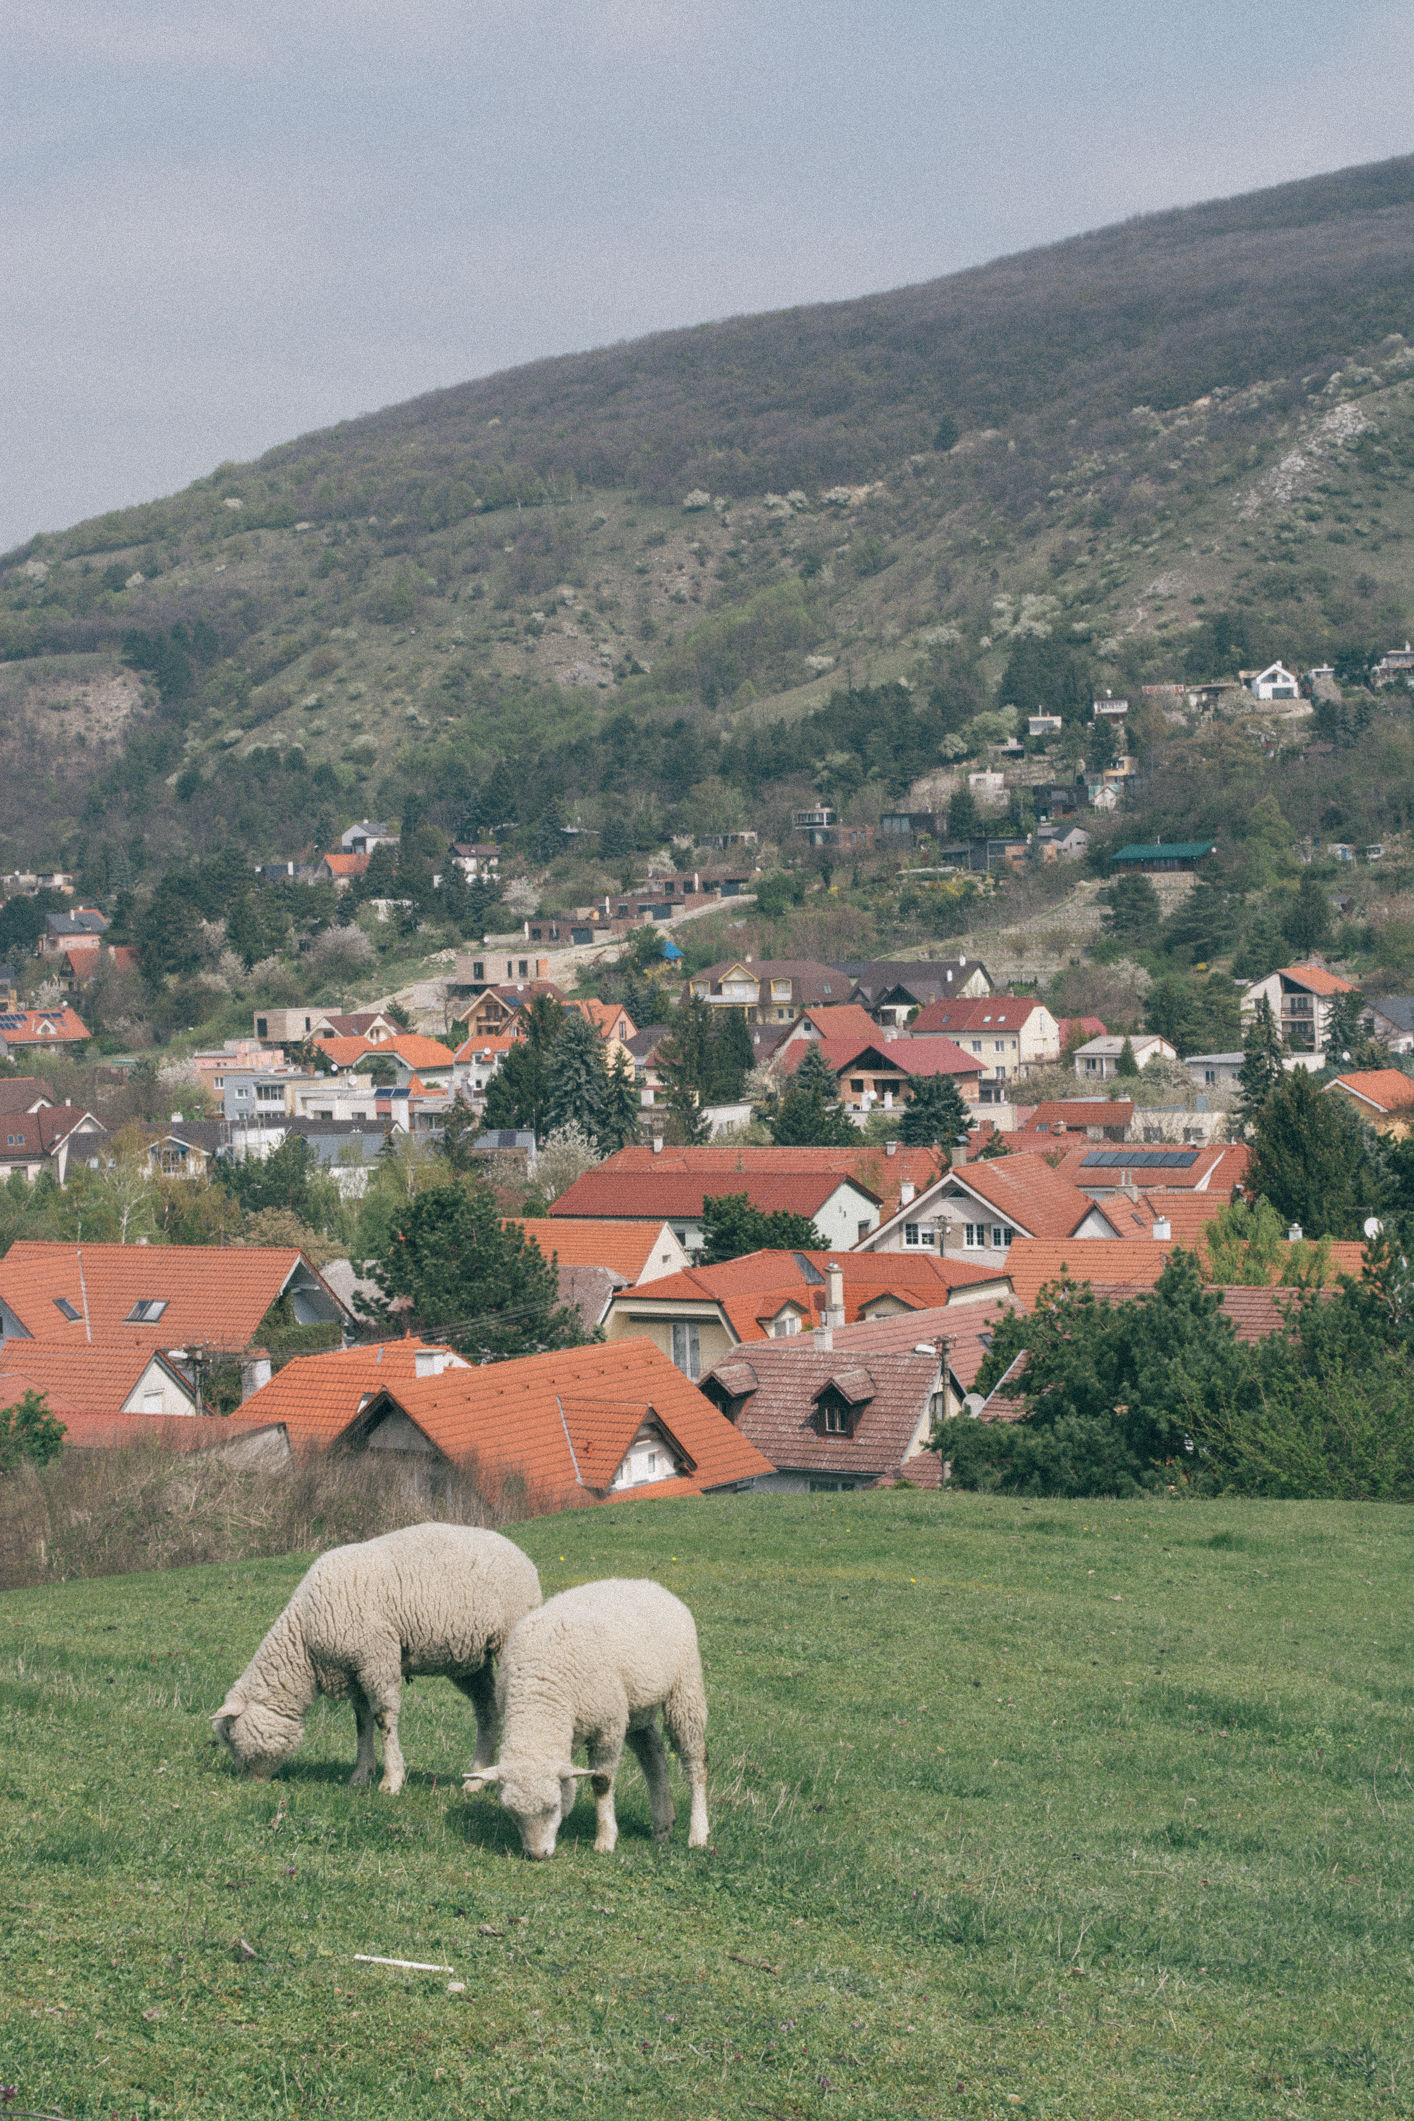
(231, 1706)
(481, 1778)
(566, 1773)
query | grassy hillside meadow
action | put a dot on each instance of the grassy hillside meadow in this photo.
(1064, 1810)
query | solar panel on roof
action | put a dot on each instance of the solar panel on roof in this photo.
(12, 1023)
(1139, 1159)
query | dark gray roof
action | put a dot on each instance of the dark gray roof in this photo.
(1397, 1009)
(926, 978)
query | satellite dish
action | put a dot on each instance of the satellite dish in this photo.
(1373, 1226)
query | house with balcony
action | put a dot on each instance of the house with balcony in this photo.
(1009, 1034)
(891, 989)
(1098, 1059)
(1300, 998)
(1395, 667)
(774, 990)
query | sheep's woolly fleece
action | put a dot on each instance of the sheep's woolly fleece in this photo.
(434, 1599)
(593, 1667)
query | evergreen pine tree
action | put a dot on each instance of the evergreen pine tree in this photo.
(1261, 1068)
(487, 1289)
(577, 1082)
(1127, 1066)
(808, 1117)
(814, 1075)
(1310, 1158)
(935, 1113)
(621, 1106)
(733, 1056)
(685, 1064)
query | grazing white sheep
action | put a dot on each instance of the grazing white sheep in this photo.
(593, 1667)
(436, 1599)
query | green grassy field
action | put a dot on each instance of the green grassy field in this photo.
(1063, 1810)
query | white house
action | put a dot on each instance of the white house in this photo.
(1044, 725)
(1300, 997)
(1276, 682)
(1098, 1059)
(1108, 709)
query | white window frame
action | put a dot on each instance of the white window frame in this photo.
(687, 1349)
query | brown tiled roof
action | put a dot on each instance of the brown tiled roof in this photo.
(1055, 1112)
(317, 1396)
(564, 1420)
(967, 1327)
(628, 1247)
(870, 1165)
(960, 1014)
(19, 1092)
(589, 1291)
(215, 1294)
(814, 982)
(842, 1020)
(911, 1056)
(781, 1414)
(88, 1379)
(25, 1135)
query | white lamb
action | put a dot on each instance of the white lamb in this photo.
(593, 1667)
(436, 1599)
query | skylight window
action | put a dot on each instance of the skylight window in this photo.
(147, 1309)
(65, 1308)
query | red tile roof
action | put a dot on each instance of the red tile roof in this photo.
(1386, 1090)
(870, 1165)
(411, 1048)
(846, 1020)
(966, 1327)
(920, 1056)
(317, 1396)
(212, 1294)
(1136, 1262)
(19, 1093)
(1214, 1171)
(663, 1196)
(24, 1135)
(1065, 1112)
(471, 1048)
(346, 864)
(773, 1391)
(564, 1420)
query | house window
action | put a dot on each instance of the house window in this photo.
(1210, 1075)
(681, 1236)
(1002, 1235)
(524, 966)
(977, 1045)
(783, 1327)
(687, 1354)
(478, 968)
(835, 1418)
(64, 1307)
(974, 1234)
(147, 1309)
(862, 1229)
(261, 1023)
(856, 1082)
(1091, 1066)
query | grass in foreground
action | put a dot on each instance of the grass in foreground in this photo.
(1061, 1810)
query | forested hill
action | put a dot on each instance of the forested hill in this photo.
(1183, 439)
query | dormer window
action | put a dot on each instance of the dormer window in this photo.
(147, 1310)
(834, 1417)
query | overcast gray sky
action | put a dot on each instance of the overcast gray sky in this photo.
(228, 224)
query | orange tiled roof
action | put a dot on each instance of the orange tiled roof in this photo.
(317, 1396)
(346, 864)
(842, 1020)
(1317, 979)
(41, 1027)
(89, 1430)
(564, 1420)
(87, 1379)
(606, 1018)
(870, 1165)
(958, 1014)
(472, 1047)
(663, 1196)
(1386, 1089)
(63, 1294)
(627, 1247)
(754, 1290)
(1027, 1191)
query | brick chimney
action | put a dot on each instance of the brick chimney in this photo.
(834, 1293)
(430, 1362)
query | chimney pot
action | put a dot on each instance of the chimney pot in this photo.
(657, 1145)
(1163, 1230)
(891, 1148)
(834, 1293)
(428, 1362)
(906, 1192)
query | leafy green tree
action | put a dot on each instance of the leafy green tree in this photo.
(1307, 925)
(1311, 1158)
(1247, 1247)
(1262, 948)
(1262, 1065)
(578, 1078)
(1134, 911)
(488, 1290)
(169, 931)
(685, 1065)
(935, 1112)
(732, 1056)
(732, 1227)
(29, 1433)
(1109, 1389)
(289, 1177)
(1127, 1067)
(457, 1141)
